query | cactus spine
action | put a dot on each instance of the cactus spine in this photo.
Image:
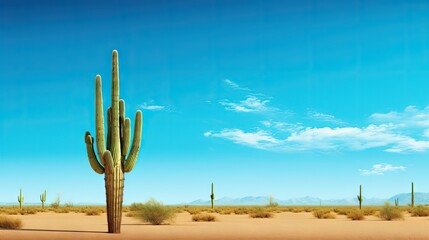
(212, 197)
(359, 197)
(397, 202)
(112, 155)
(20, 198)
(43, 199)
(412, 194)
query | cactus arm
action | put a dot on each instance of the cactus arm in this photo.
(135, 148)
(110, 164)
(126, 138)
(109, 134)
(115, 133)
(95, 164)
(99, 117)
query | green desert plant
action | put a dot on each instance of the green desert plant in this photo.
(389, 212)
(203, 217)
(20, 198)
(56, 202)
(412, 194)
(271, 202)
(153, 212)
(396, 202)
(212, 197)
(420, 211)
(43, 199)
(112, 154)
(10, 223)
(359, 197)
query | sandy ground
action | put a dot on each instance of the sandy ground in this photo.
(78, 226)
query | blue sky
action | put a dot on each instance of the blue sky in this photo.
(260, 97)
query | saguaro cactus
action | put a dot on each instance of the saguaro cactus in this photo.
(43, 198)
(359, 197)
(412, 194)
(20, 198)
(396, 202)
(112, 154)
(212, 197)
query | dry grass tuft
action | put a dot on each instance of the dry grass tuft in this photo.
(203, 217)
(356, 215)
(389, 212)
(261, 213)
(324, 214)
(420, 211)
(10, 223)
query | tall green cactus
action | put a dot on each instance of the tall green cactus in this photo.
(112, 154)
(212, 197)
(20, 198)
(359, 197)
(43, 199)
(412, 194)
(396, 202)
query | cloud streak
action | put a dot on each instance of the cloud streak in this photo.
(380, 169)
(250, 104)
(234, 85)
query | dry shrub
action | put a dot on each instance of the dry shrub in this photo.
(203, 217)
(324, 214)
(420, 211)
(93, 212)
(261, 213)
(356, 215)
(153, 212)
(389, 212)
(10, 223)
(27, 211)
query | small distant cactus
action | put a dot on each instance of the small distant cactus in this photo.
(43, 199)
(20, 198)
(359, 197)
(396, 202)
(412, 194)
(212, 197)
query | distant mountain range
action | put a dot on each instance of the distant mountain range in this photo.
(404, 199)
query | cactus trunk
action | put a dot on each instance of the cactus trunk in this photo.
(20, 199)
(43, 199)
(114, 196)
(359, 197)
(212, 196)
(112, 154)
(412, 194)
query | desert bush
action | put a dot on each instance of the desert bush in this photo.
(56, 203)
(203, 217)
(323, 214)
(27, 211)
(10, 223)
(93, 212)
(420, 211)
(153, 212)
(261, 213)
(297, 209)
(389, 212)
(356, 215)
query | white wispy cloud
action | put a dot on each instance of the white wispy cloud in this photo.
(259, 139)
(250, 104)
(282, 126)
(328, 139)
(411, 116)
(234, 85)
(154, 107)
(380, 169)
(324, 117)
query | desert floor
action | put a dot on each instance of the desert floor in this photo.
(286, 225)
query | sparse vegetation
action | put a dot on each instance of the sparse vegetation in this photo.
(93, 212)
(356, 215)
(389, 212)
(324, 214)
(261, 213)
(203, 217)
(153, 212)
(56, 203)
(420, 211)
(7, 222)
(271, 202)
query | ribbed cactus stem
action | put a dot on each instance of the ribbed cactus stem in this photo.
(112, 154)
(212, 197)
(20, 198)
(43, 199)
(412, 194)
(359, 197)
(397, 202)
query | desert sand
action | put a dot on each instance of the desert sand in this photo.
(76, 226)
